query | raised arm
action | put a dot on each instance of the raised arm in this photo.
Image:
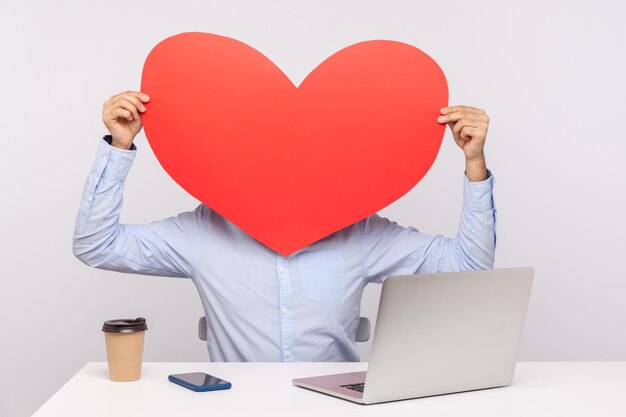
(166, 247)
(392, 249)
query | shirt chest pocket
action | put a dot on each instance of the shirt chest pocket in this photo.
(322, 275)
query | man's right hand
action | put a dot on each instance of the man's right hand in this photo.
(121, 114)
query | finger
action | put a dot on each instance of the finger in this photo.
(451, 118)
(470, 121)
(454, 109)
(128, 94)
(120, 113)
(458, 126)
(455, 134)
(138, 94)
(125, 104)
(469, 132)
(479, 119)
(133, 99)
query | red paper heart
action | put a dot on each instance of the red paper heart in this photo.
(290, 165)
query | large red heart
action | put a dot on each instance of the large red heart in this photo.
(290, 165)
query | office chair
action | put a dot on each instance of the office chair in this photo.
(362, 331)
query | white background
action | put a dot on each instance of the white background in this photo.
(550, 75)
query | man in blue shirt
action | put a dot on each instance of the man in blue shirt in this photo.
(260, 305)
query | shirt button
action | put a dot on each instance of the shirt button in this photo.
(285, 310)
(287, 354)
(282, 269)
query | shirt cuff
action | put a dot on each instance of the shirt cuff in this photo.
(478, 196)
(113, 163)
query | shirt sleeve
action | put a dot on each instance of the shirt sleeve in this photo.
(164, 248)
(390, 249)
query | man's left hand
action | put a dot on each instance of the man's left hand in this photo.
(469, 128)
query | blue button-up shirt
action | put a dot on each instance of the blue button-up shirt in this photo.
(260, 305)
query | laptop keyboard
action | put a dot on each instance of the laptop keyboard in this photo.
(355, 387)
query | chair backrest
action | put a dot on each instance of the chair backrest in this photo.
(362, 332)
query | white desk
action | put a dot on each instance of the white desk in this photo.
(264, 389)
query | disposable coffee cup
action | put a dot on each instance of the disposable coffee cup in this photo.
(124, 342)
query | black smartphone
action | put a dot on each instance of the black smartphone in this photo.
(199, 381)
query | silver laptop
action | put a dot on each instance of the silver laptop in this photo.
(439, 334)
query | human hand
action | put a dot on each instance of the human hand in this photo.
(469, 127)
(121, 115)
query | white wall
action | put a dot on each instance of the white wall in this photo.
(550, 74)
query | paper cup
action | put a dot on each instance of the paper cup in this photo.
(124, 343)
